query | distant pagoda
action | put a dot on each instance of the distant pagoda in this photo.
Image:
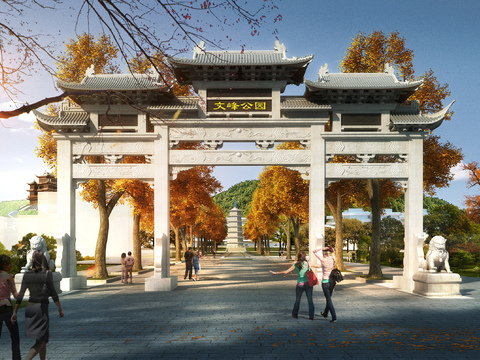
(235, 230)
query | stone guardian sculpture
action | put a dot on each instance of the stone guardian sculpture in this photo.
(37, 243)
(437, 256)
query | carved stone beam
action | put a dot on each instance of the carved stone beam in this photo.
(77, 159)
(173, 144)
(305, 144)
(303, 170)
(420, 237)
(76, 184)
(402, 157)
(113, 159)
(149, 159)
(365, 158)
(174, 170)
(264, 144)
(214, 144)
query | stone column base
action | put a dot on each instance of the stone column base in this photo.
(403, 283)
(57, 279)
(156, 283)
(235, 248)
(73, 283)
(437, 284)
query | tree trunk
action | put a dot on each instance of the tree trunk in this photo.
(178, 246)
(191, 236)
(296, 229)
(137, 245)
(104, 211)
(183, 233)
(289, 240)
(373, 187)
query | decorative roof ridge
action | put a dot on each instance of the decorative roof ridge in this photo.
(389, 72)
(200, 49)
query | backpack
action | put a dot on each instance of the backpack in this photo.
(129, 261)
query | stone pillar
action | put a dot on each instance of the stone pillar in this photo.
(317, 192)
(66, 261)
(413, 214)
(161, 280)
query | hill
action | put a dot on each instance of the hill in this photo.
(243, 192)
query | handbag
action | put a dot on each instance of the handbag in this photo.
(336, 276)
(312, 278)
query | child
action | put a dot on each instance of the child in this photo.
(129, 261)
(124, 269)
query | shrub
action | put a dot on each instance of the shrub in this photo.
(462, 260)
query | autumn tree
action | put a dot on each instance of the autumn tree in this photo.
(473, 202)
(136, 27)
(191, 190)
(369, 54)
(79, 55)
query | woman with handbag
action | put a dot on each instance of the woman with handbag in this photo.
(39, 281)
(328, 264)
(301, 267)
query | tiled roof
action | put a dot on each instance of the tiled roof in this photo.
(361, 81)
(238, 58)
(115, 82)
(185, 103)
(410, 118)
(70, 121)
(300, 103)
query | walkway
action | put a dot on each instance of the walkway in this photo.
(239, 311)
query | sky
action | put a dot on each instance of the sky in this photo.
(442, 34)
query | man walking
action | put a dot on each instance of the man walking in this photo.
(188, 264)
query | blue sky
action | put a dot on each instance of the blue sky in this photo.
(442, 34)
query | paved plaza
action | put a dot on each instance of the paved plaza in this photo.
(239, 311)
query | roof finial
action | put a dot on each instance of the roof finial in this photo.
(90, 71)
(199, 49)
(389, 69)
(235, 203)
(154, 72)
(323, 72)
(281, 48)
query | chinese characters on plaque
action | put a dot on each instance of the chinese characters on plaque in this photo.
(239, 105)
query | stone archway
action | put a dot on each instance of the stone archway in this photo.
(360, 115)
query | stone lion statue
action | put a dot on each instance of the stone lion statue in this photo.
(37, 243)
(437, 256)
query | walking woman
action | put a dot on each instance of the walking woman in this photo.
(7, 287)
(301, 267)
(328, 264)
(39, 281)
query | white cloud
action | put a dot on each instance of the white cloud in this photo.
(459, 173)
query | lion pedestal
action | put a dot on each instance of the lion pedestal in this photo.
(436, 284)
(430, 280)
(57, 278)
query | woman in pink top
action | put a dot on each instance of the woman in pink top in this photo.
(328, 264)
(7, 287)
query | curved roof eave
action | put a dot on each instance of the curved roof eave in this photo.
(313, 86)
(236, 60)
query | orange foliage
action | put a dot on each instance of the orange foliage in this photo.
(473, 202)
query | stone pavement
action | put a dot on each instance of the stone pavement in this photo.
(239, 311)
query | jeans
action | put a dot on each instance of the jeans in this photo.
(309, 292)
(328, 297)
(5, 316)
